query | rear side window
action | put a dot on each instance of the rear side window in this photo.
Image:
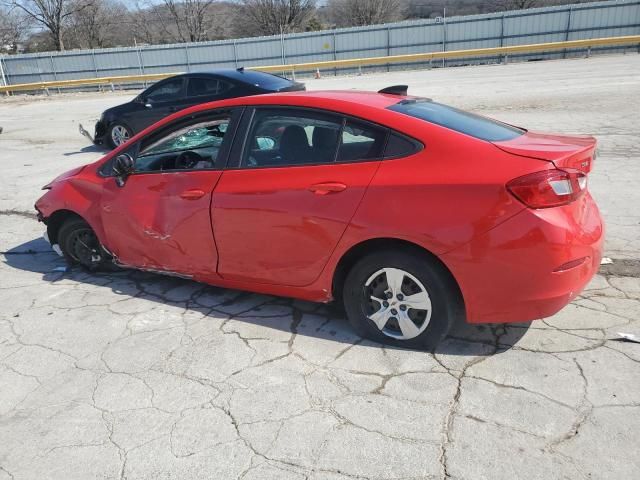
(200, 87)
(399, 146)
(458, 120)
(287, 137)
(360, 141)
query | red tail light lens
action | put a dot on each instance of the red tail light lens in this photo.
(549, 188)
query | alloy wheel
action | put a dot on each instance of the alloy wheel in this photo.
(119, 135)
(397, 303)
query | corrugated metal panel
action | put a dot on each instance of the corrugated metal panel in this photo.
(266, 51)
(580, 21)
(206, 56)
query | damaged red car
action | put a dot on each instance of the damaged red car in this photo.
(413, 214)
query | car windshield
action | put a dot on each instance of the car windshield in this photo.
(458, 120)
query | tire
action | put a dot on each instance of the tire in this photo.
(418, 321)
(80, 245)
(112, 134)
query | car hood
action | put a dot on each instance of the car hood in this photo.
(115, 111)
(62, 177)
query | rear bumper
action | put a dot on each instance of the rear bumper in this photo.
(532, 265)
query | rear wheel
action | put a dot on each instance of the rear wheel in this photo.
(401, 298)
(80, 245)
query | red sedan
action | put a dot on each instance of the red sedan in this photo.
(413, 214)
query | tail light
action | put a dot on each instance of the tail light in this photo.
(549, 188)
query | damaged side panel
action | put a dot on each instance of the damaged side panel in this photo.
(156, 222)
(73, 196)
(161, 222)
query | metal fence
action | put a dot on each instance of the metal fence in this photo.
(540, 25)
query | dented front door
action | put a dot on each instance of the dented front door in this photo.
(161, 221)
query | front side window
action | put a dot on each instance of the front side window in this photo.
(458, 120)
(279, 137)
(193, 147)
(165, 92)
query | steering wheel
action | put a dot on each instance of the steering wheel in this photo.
(187, 160)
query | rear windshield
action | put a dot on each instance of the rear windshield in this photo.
(463, 122)
(265, 80)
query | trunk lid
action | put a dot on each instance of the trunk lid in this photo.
(564, 151)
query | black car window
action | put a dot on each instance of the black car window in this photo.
(360, 141)
(167, 91)
(223, 86)
(206, 87)
(192, 147)
(399, 146)
(458, 120)
(263, 80)
(279, 137)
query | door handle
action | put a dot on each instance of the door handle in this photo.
(328, 187)
(192, 194)
(173, 109)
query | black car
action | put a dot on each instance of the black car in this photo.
(118, 124)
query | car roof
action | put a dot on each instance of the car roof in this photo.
(238, 74)
(371, 106)
(325, 99)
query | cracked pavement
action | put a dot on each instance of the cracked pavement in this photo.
(133, 375)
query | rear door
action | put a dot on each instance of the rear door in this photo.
(202, 89)
(294, 184)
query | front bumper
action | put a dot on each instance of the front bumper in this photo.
(100, 131)
(532, 265)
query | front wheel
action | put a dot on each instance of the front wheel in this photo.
(404, 299)
(80, 245)
(117, 134)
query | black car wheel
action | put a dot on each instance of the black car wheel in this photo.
(401, 298)
(80, 245)
(117, 134)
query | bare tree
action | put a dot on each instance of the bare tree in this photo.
(103, 23)
(146, 25)
(192, 18)
(520, 4)
(434, 8)
(13, 29)
(272, 17)
(365, 12)
(51, 14)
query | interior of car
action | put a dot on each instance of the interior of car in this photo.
(193, 148)
(278, 141)
(276, 138)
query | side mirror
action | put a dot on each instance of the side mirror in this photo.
(123, 167)
(148, 103)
